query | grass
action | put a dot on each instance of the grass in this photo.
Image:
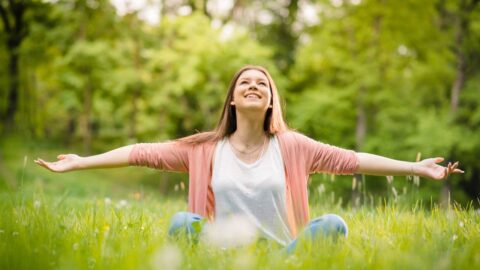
(104, 219)
(63, 232)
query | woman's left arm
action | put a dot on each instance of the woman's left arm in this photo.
(378, 165)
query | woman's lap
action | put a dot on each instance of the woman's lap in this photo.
(329, 225)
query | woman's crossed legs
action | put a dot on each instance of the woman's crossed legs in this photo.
(329, 225)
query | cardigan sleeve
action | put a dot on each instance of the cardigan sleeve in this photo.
(166, 156)
(320, 157)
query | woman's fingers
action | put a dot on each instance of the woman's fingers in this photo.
(42, 163)
(440, 172)
(48, 165)
(456, 170)
(451, 168)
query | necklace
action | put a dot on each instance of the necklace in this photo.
(262, 146)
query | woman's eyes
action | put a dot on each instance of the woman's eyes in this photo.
(260, 83)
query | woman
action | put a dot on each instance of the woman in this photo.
(252, 165)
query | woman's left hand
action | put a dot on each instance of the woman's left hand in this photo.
(430, 169)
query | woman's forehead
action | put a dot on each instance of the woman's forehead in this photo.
(253, 74)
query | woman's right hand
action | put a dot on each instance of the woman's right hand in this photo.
(65, 163)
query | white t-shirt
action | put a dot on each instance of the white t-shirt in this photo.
(254, 191)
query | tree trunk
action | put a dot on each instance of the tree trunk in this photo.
(85, 119)
(15, 29)
(360, 133)
(460, 71)
(462, 25)
(12, 89)
(136, 91)
(361, 124)
(133, 116)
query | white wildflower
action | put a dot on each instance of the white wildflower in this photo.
(37, 204)
(121, 204)
(108, 201)
(182, 186)
(169, 257)
(321, 189)
(461, 224)
(454, 237)
(394, 191)
(232, 232)
(389, 179)
(75, 246)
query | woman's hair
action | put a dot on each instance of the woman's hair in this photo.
(227, 125)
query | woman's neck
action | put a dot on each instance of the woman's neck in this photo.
(249, 131)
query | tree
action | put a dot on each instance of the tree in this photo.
(459, 15)
(12, 14)
(377, 71)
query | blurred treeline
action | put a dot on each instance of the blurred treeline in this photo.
(395, 78)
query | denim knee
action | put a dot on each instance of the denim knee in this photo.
(184, 222)
(329, 225)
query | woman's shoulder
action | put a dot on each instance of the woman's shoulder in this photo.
(290, 136)
(204, 139)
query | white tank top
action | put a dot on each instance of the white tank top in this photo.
(254, 191)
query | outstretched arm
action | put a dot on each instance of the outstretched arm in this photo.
(378, 165)
(71, 162)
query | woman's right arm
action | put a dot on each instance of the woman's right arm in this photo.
(70, 162)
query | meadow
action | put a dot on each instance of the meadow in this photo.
(104, 219)
(395, 78)
(63, 232)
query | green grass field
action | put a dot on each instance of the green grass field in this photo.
(63, 232)
(112, 219)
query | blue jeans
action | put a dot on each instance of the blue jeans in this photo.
(329, 225)
(186, 223)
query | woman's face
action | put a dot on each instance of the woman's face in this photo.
(252, 92)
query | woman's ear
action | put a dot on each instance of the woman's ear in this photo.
(232, 103)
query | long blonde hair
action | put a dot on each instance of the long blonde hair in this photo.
(227, 125)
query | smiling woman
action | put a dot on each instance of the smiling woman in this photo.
(253, 167)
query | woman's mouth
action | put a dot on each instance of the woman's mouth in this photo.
(252, 96)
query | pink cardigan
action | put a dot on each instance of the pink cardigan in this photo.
(301, 156)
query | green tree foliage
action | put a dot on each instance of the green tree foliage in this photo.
(389, 77)
(191, 68)
(377, 77)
